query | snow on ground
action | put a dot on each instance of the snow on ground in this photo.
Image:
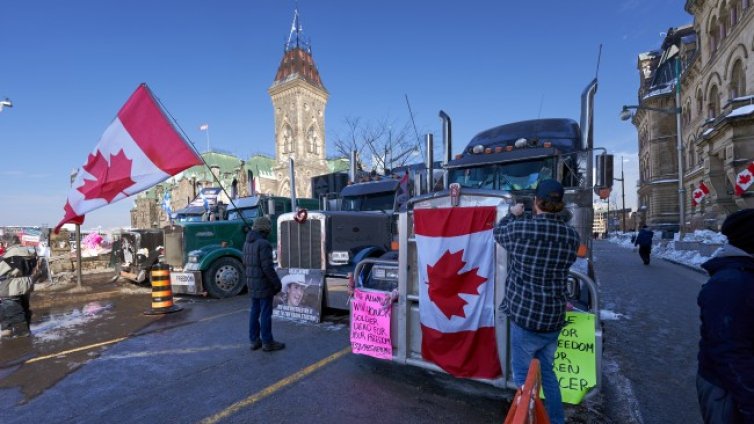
(58, 326)
(668, 251)
(607, 315)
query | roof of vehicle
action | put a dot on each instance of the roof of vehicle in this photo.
(243, 203)
(536, 129)
(371, 187)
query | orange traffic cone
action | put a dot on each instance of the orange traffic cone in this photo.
(527, 407)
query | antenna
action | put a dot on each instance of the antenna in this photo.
(599, 56)
(541, 102)
(411, 114)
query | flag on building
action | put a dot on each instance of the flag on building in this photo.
(744, 179)
(456, 289)
(699, 194)
(166, 206)
(204, 127)
(139, 149)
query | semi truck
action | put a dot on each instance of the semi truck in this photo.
(497, 169)
(334, 241)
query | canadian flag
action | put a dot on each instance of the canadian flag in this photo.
(455, 250)
(139, 149)
(744, 179)
(699, 194)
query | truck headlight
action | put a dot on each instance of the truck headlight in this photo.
(339, 257)
(195, 256)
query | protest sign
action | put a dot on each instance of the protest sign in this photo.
(370, 324)
(301, 295)
(576, 360)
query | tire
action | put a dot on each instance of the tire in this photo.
(224, 278)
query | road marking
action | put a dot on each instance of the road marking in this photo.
(78, 349)
(256, 397)
(109, 342)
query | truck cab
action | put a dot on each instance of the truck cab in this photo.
(206, 256)
(335, 241)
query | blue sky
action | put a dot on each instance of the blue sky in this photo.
(69, 66)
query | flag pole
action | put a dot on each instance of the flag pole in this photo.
(191, 143)
(78, 254)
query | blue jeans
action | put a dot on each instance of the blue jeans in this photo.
(260, 320)
(526, 345)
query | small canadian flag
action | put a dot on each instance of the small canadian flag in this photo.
(699, 194)
(744, 179)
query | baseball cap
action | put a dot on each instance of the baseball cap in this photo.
(550, 190)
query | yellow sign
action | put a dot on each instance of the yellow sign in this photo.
(576, 358)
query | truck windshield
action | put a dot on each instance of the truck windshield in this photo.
(370, 202)
(249, 213)
(513, 176)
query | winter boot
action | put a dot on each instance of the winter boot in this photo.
(269, 347)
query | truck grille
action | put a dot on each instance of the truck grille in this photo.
(174, 246)
(301, 244)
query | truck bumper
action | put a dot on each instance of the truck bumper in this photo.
(336, 293)
(186, 282)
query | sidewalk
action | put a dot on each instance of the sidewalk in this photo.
(695, 249)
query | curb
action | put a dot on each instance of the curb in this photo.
(691, 267)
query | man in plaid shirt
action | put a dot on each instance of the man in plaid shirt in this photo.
(541, 250)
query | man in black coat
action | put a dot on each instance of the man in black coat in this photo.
(263, 283)
(725, 378)
(644, 241)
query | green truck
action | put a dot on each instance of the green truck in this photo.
(206, 257)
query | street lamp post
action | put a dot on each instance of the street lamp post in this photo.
(622, 193)
(626, 115)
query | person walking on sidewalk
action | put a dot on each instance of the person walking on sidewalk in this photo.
(725, 377)
(644, 241)
(263, 283)
(541, 249)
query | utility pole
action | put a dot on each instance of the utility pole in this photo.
(622, 193)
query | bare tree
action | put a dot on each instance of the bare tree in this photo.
(379, 145)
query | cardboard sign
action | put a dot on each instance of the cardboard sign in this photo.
(370, 324)
(575, 362)
(301, 297)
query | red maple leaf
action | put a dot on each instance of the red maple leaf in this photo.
(744, 179)
(110, 179)
(698, 194)
(445, 283)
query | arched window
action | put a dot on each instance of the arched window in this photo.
(723, 21)
(713, 104)
(735, 12)
(699, 103)
(286, 145)
(312, 141)
(737, 80)
(714, 36)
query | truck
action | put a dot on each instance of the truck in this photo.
(334, 241)
(498, 168)
(205, 256)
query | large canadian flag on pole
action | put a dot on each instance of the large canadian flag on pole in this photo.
(139, 149)
(456, 259)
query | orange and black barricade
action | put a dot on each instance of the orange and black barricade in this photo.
(162, 293)
(527, 407)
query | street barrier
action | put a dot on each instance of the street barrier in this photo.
(527, 407)
(162, 293)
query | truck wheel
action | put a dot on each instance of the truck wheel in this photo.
(224, 278)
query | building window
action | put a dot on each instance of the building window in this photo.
(713, 105)
(699, 103)
(737, 80)
(286, 144)
(312, 142)
(714, 36)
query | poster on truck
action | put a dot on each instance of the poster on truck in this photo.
(301, 296)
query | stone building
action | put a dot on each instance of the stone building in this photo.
(299, 99)
(716, 112)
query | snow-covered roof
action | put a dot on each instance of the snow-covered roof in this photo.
(741, 111)
(667, 180)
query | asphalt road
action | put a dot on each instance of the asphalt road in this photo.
(650, 349)
(196, 366)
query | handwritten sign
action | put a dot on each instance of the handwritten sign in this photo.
(370, 325)
(576, 359)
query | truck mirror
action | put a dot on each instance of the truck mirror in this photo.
(604, 171)
(271, 206)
